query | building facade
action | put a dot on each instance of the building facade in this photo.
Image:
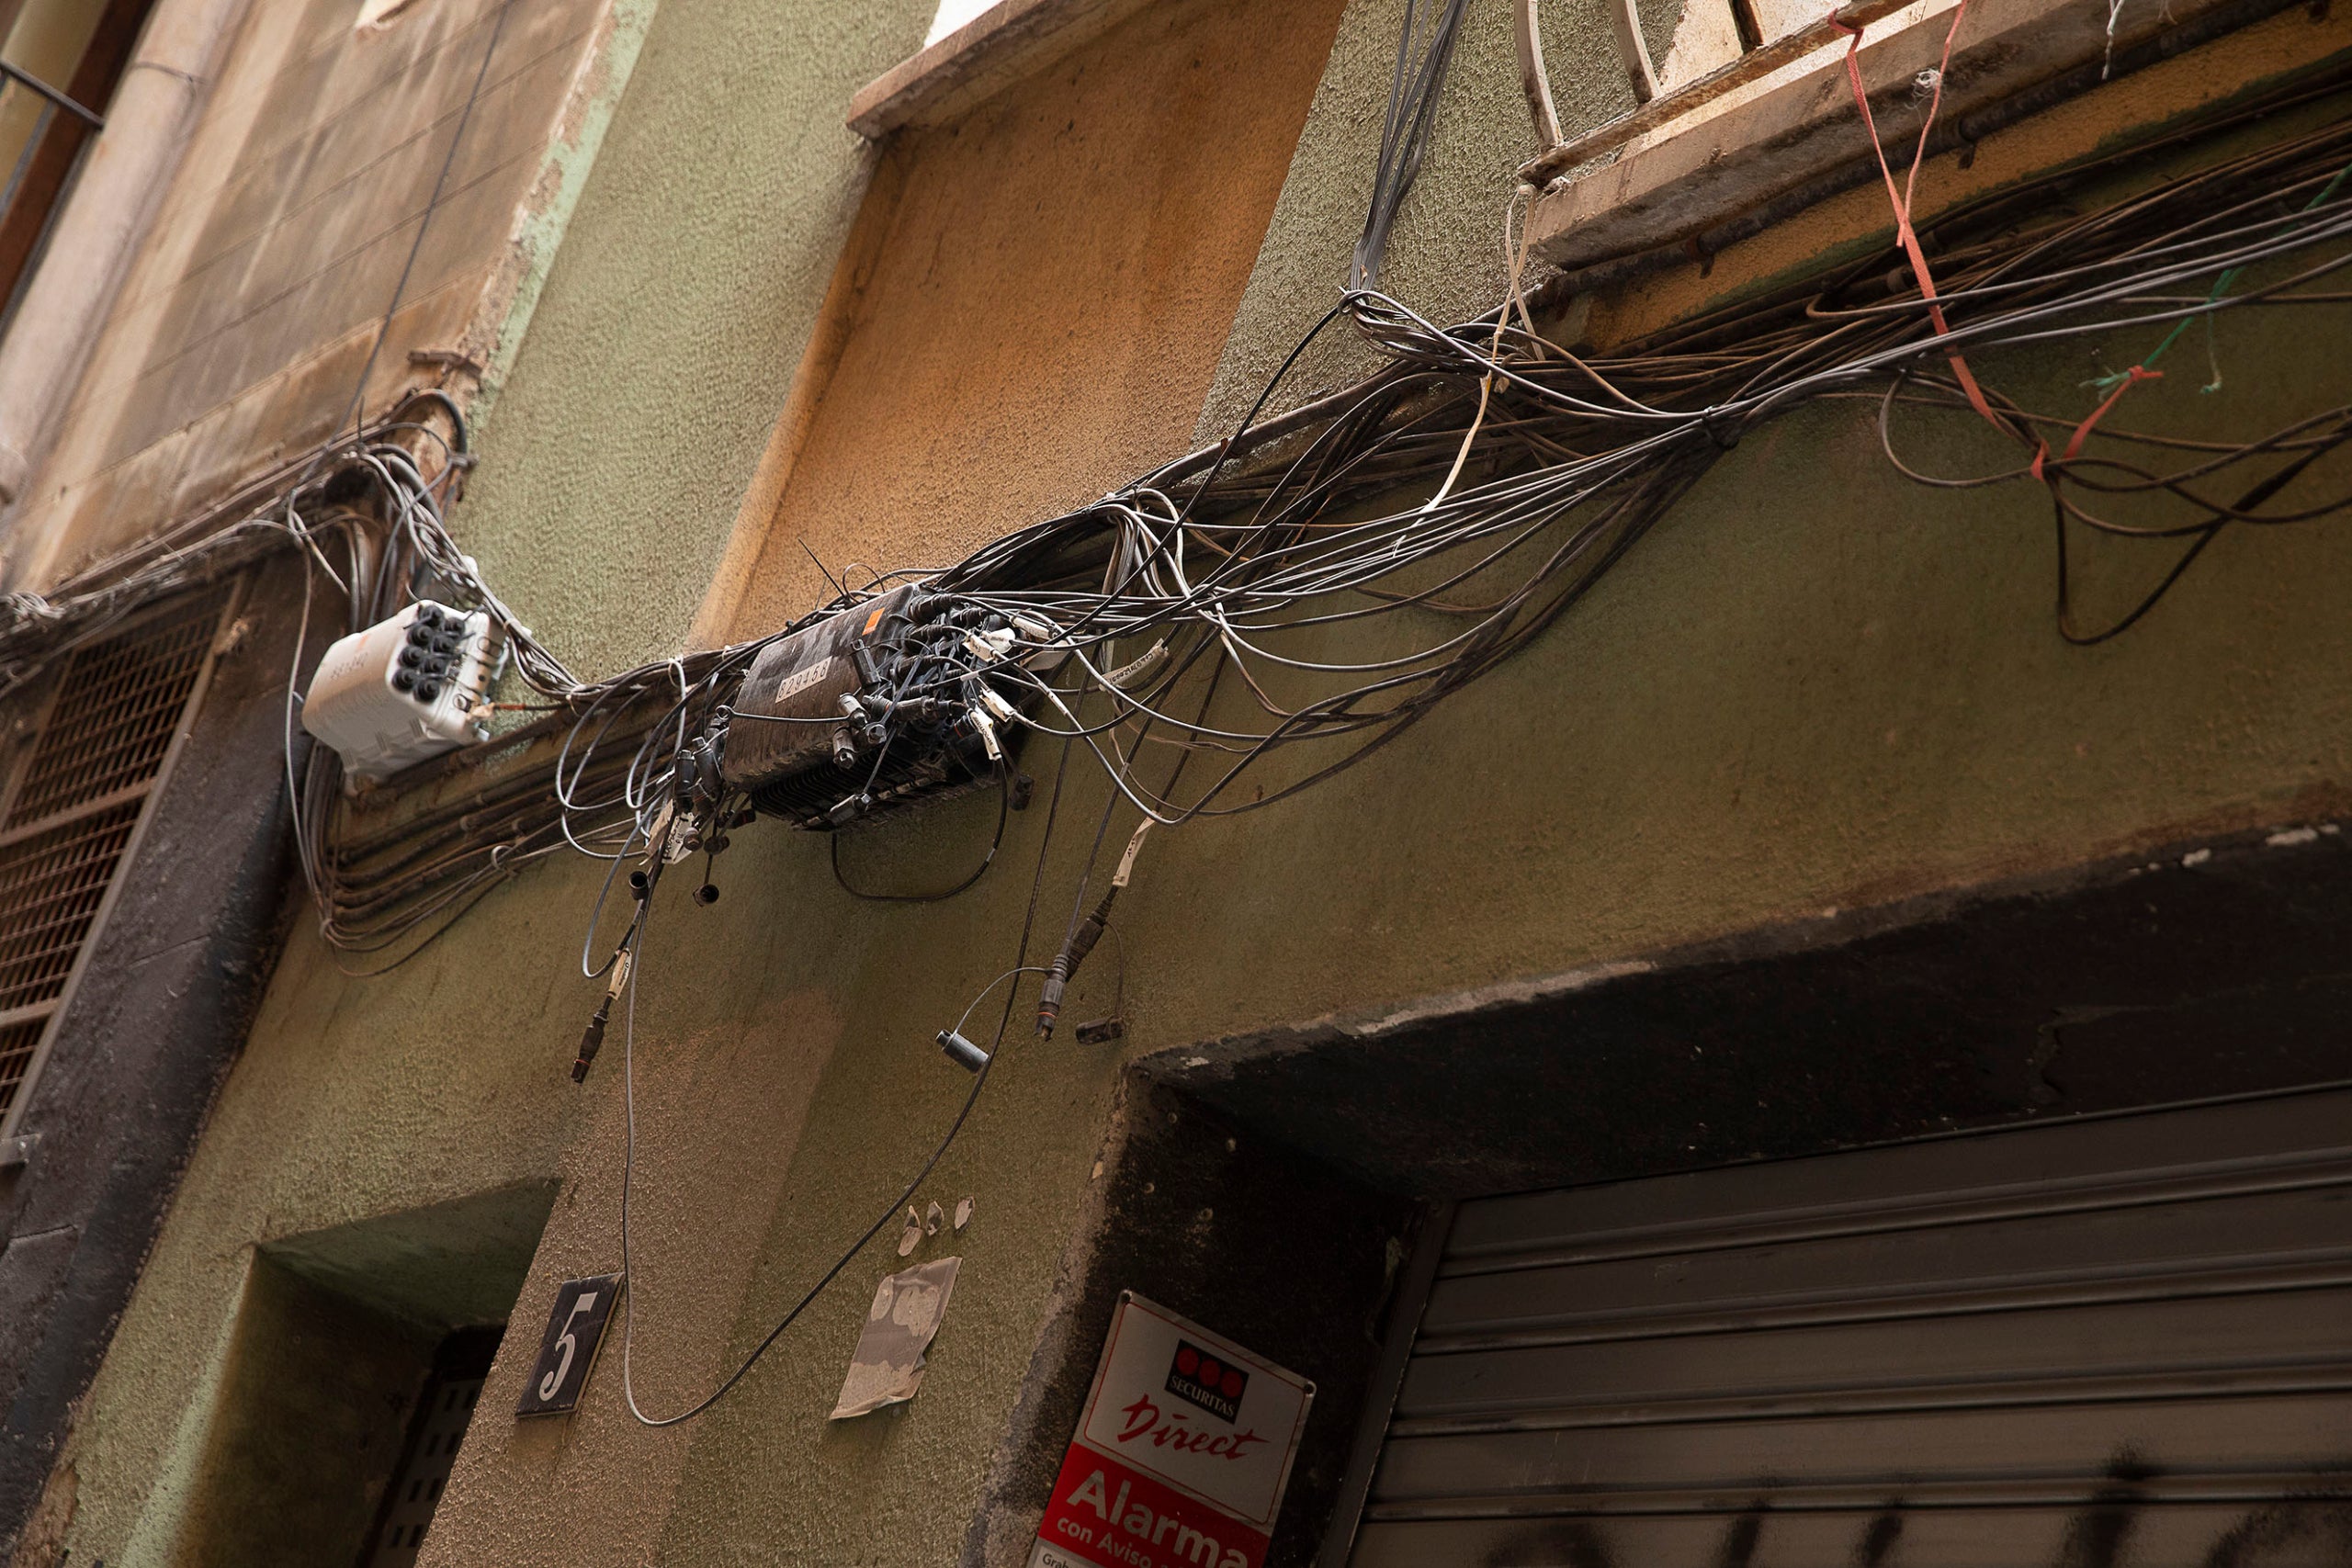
(1821, 1039)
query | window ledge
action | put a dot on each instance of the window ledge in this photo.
(1736, 166)
(1004, 43)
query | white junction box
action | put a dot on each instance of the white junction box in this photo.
(403, 690)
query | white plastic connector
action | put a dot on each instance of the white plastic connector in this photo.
(987, 727)
(988, 646)
(403, 690)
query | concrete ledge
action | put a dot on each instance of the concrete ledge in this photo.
(1801, 137)
(2200, 968)
(1004, 43)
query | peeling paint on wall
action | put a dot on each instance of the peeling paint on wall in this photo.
(541, 221)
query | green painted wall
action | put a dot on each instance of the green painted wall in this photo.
(668, 331)
(1445, 253)
(1815, 686)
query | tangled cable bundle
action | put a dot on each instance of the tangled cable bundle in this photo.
(1317, 581)
(1573, 460)
(1282, 560)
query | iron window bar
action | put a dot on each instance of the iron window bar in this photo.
(74, 804)
(90, 117)
(1561, 155)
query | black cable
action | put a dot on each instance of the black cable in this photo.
(849, 1255)
(432, 204)
(1413, 90)
(1003, 810)
(1565, 462)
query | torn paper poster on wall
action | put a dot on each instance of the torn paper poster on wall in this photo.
(887, 1367)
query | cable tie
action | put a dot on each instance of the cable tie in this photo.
(1127, 862)
(1143, 665)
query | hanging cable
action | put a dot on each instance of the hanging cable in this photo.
(1424, 54)
(922, 1173)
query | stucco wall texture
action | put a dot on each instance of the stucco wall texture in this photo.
(1815, 686)
(666, 339)
(1445, 253)
(1047, 295)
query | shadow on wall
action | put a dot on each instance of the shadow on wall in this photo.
(317, 1403)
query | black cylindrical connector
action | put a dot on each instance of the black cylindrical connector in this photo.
(1090, 931)
(1049, 996)
(1065, 965)
(592, 1041)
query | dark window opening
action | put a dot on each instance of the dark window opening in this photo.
(436, 1433)
(357, 1360)
(77, 50)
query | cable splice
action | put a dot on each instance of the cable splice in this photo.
(1081, 940)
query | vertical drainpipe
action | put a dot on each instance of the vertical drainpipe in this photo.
(149, 123)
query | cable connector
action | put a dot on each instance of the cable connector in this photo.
(1005, 712)
(592, 1040)
(1082, 941)
(962, 1052)
(986, 728)
(1049, 995)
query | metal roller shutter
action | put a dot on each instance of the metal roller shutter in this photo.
(2120, 1342)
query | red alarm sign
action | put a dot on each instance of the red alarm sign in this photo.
(1182, 1455)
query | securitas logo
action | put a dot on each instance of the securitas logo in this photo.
(1199, 1377)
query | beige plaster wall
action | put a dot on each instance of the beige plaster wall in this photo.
(241, 334)
(1047, 289)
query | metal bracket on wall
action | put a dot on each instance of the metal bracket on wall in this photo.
(1788, 48)
(1631, 50)
(1534, 78)
(18, 1152)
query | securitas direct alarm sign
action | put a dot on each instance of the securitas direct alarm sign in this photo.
(1182, 1456)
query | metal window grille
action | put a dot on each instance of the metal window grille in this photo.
(415, 1491)
(51, 887)
(74, 805)
(17, 1043)
(115, 714)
